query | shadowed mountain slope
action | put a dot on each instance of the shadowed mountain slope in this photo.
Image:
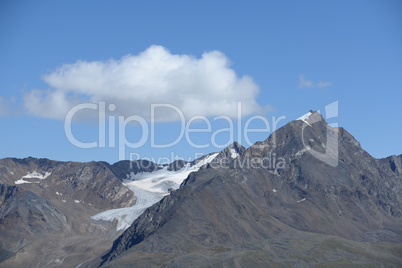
(63, 213)
(45, 209)
(278, 203)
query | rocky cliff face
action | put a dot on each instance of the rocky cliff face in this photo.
(91, 183)
(43, 202)
(277, 203)
(25, 216)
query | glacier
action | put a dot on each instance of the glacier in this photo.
(149, 188)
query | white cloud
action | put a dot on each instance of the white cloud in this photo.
(303, 83)
(198, 86)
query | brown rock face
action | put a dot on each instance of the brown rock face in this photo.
(45, 209)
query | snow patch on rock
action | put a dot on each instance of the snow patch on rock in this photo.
(301, 200)
(33, 175)
(305, 117)
(233, 153)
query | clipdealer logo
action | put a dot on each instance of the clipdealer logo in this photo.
(147, 132)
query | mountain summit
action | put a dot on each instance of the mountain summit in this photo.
(307, 195)
(302, 212)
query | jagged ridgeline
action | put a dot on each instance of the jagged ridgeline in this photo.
(291, 200)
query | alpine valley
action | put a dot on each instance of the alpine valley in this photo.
(274, 204)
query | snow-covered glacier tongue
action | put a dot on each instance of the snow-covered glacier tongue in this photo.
(149, 188)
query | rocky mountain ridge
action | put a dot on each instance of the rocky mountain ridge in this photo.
(307, 195)
(43, 202)
(248, 214)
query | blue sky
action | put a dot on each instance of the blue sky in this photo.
(279, 58)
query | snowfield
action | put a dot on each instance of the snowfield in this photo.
(149, 188)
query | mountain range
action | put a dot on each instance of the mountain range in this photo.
(291, 200)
